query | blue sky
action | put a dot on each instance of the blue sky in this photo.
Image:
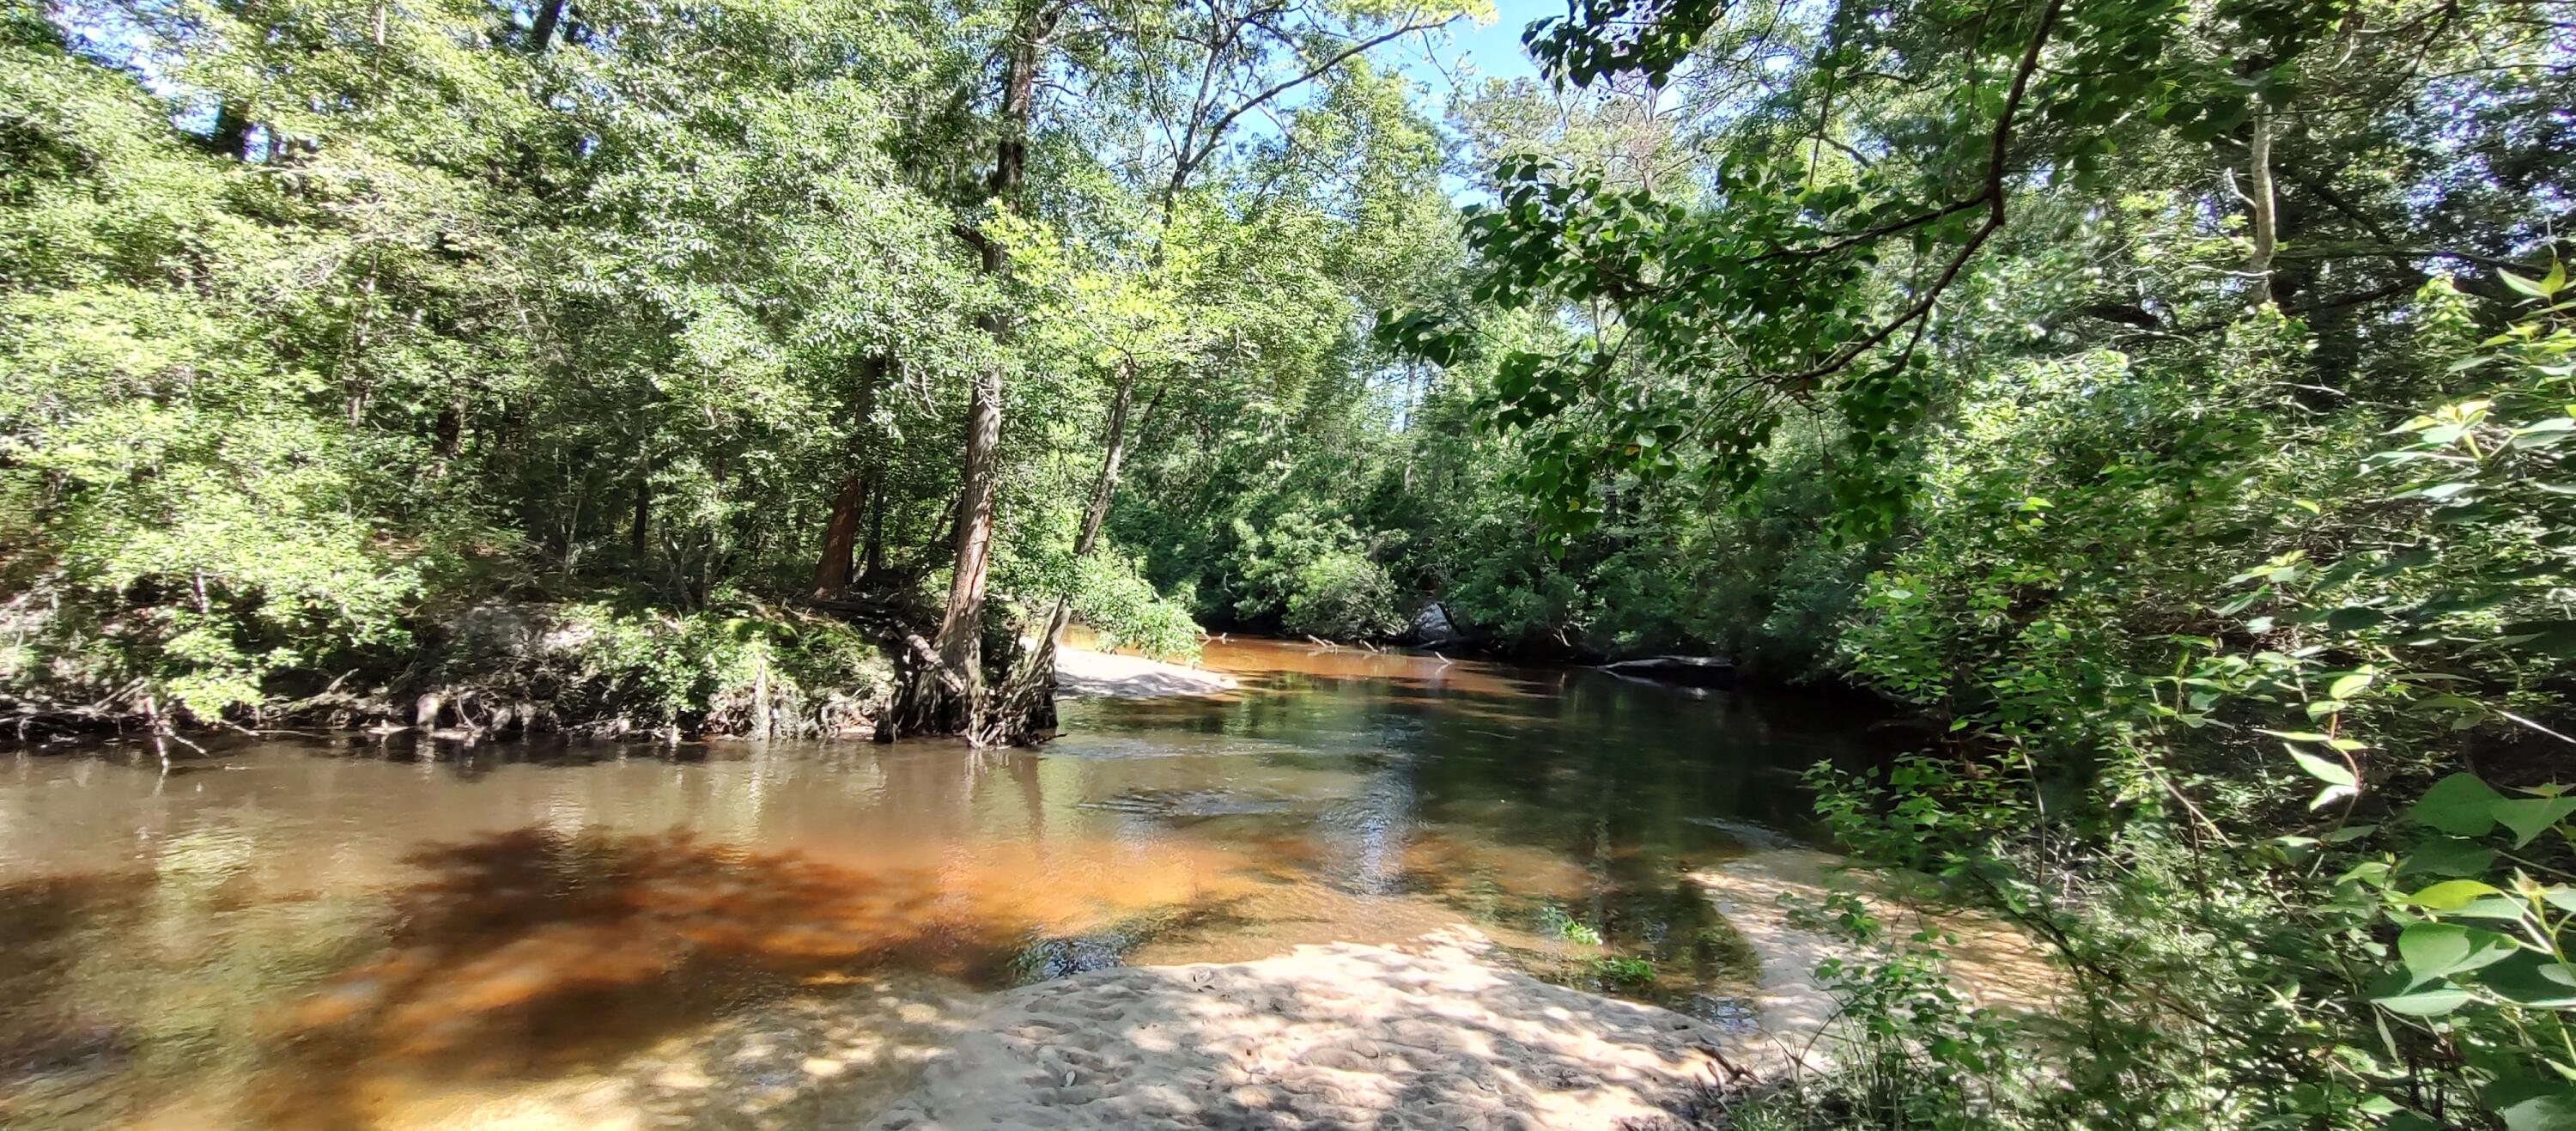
(1492, 50)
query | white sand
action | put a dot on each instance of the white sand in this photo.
(1338, 1036)
(1080, 671)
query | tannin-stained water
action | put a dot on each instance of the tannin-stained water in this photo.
(337, 934)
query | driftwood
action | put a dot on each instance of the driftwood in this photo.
(1690, 671)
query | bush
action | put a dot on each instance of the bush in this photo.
(592, 668)
(1313, 576)
(1113, 598)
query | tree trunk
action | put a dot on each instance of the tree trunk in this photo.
(945, 692)
(1107, 484)
(840, 537)
(961, 631)
(542, 36)
(872, 559)
(639, 537)
(841, 530)
(1026, 715)
(2258, 163)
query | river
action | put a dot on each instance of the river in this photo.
(335, 933)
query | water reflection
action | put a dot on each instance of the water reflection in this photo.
(329, 935)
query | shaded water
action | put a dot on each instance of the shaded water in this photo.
(328, 935)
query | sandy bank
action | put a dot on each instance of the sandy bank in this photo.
(1989, 962)
(1431, 1035)
(1080, 671)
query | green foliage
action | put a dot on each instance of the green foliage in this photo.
(738, 669)
(1318, 579)
(1926, 333)
(317, 318)
(1119, 605)
(2125, 785)
(1624, 970)
(1556, 922)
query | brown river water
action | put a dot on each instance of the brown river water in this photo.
(328, 933)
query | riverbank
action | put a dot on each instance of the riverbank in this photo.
(500, 669)
(1081, 672)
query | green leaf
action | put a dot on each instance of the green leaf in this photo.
(2448, 856)
(2460, 805)
(2429, 1002)
(2451, 895)
(2331, 773)
(2533, 979)
(2432, 951)
(2552, 637)
(2530, 287)
(2534, 1105)
(2348, 686)
(2530, 817)
(2354, 618)
(2502, 908)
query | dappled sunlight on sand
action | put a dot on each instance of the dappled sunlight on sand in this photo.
(1760, 893)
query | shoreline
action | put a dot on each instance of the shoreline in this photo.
(1081, 673)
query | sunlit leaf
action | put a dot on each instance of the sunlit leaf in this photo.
(2461, 805)
(2452, 894)
(2440, 950)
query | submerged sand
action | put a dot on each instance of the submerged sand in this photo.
(1439, 1032)
(1432, 1035)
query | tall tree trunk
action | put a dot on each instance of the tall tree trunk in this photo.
(872, 559)
(639, 536)
(1031, 693)
(946, 690)
(841, 537)
(1107, 485)
(1028, 711)
(961, 631)
(2258, 161)
(841, 530)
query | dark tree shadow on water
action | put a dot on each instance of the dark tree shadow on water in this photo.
(533, 953)
(531, 950)
(46, 1031)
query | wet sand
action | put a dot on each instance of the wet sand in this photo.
(1991, 964)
